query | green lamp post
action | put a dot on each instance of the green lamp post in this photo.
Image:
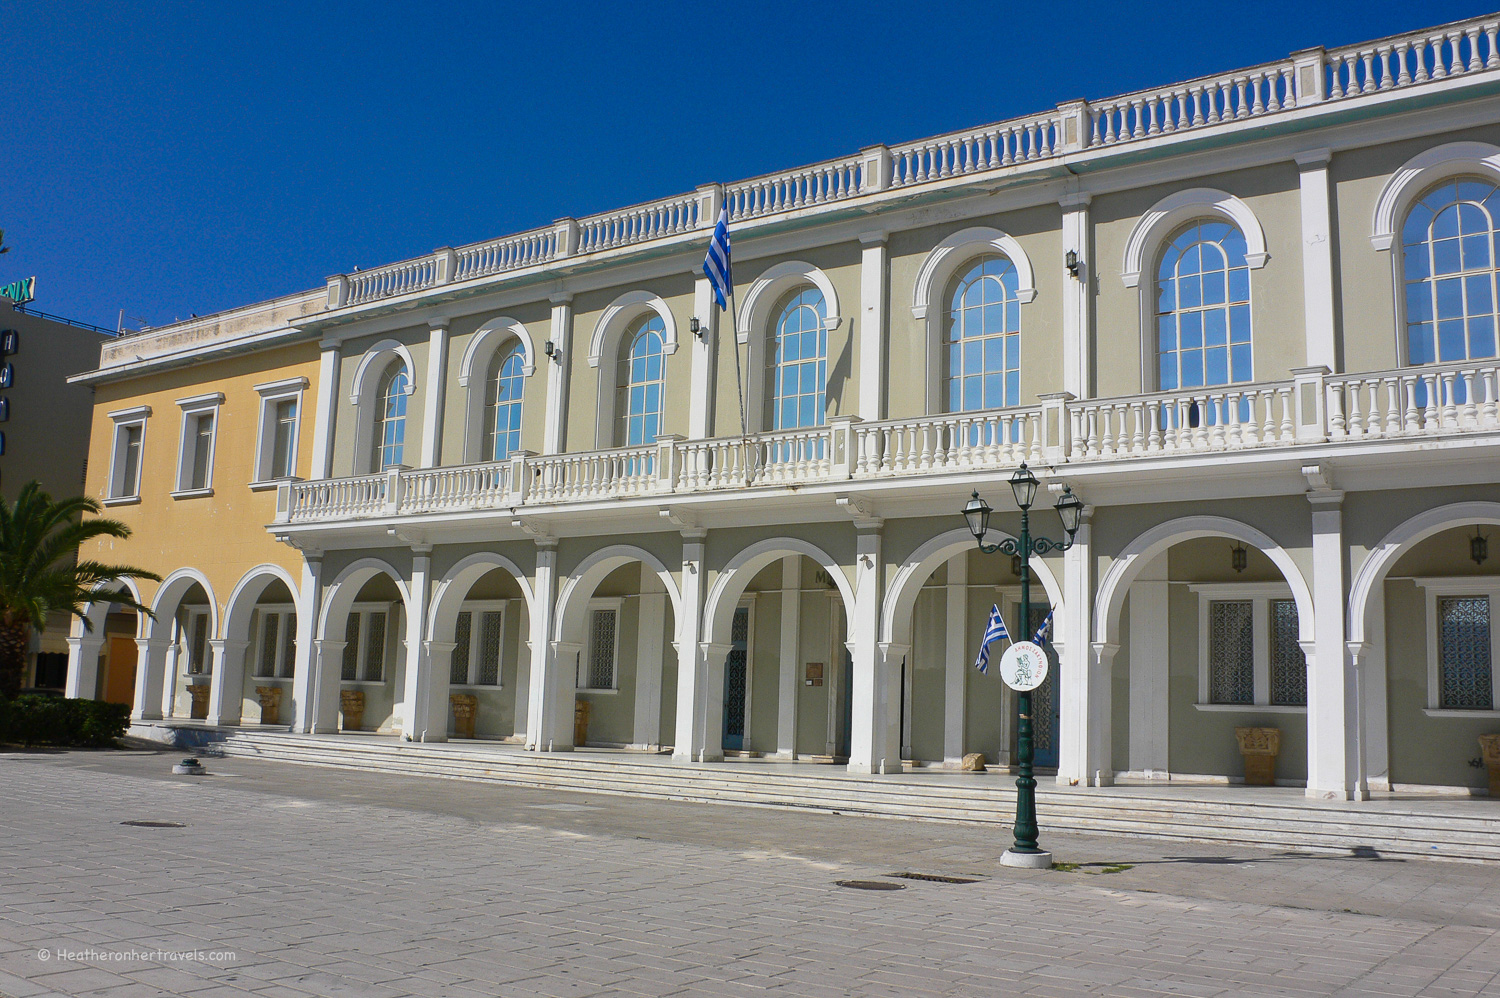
(1025, 852)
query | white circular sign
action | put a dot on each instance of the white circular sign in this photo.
(1024, 666)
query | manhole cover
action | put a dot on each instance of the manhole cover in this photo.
(935, 878)
(154, 824)
(870, 885)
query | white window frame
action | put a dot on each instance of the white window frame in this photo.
(271, 394)
(123, 420)
(194, 409)
(281, 668)
(1470, 585)
(365, 610)
(190, 616)
(475, 608)
(586, 652)
(1260, 594)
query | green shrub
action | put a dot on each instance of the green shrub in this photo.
(33, 720)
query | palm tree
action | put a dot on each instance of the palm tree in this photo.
(40, 573)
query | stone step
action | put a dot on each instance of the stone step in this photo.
(1316, 826)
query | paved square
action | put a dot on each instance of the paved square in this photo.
(289, 881)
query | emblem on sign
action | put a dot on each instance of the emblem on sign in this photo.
(1024, 666)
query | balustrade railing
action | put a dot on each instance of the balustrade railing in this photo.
(1208, 101)
(1315, 408)
(1414, 401)
(640, 224)
(986, 148)
(396, 279)
(499, 255)
(819, 184)
(1403, 60)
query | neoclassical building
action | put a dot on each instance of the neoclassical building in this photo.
(1250, 319)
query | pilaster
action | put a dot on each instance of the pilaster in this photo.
(544, 733)
(704, 351)
(1085, 690)
(956, 661)
(426, 689)
(693, 674)
(150, 676)
(326, 418)
(1149, 712)
(226, 687)
(789, 687)
(1319, 316)
(875, 696)
(1077, 303)
(83, 664)
(305, 668)
(437, 377)
(649, 651)
(555, 433)
(874, 323)
(1332, 687)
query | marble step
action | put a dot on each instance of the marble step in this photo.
(1407, 832)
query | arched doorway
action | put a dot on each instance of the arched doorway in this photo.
(258, 657)
(358, 668)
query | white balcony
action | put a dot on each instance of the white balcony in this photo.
(1313, 409)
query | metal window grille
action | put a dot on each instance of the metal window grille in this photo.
(602, 651)
(489, 648)
(269, 633)
(1231, 651)
(350, 669)
(1288, 663)
(1464, 653)
(736, 674)
(198, 643)
(458, 670)
(375, 649)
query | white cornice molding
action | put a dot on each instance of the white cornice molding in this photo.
(1158, 221)
(383, 350)
(947, 256)
(778, 279)
(492, 334)
(620, 313)
(1450, 159)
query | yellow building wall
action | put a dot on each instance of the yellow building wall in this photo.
(222, 535)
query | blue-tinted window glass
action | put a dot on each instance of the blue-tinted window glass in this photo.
(390, 417)
(502, 402)
(640, 395)
(985, 316)
(1203, 304)
(799, 362)
(1448, 262)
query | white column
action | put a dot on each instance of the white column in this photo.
(696, 729)
(305, 668)
(83, 664)
(1317, 260)
(524, 656)
(549, 725)
(875, 697)
(1332, 690)
(170, 671)
(649, 650)
(1149, 715)
(150, 671)
(555, 433)
(956, 661)
(1077, 301)
(437, 380)
(326, 419)
(426, 694)
(1085, 691)
(226, 684)
(874, 306)
(327, 682)
(704, 353)
(789, 686)
(1370, 660)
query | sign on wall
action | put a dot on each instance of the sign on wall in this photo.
(19, 292)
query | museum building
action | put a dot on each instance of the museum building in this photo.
(1249, 319)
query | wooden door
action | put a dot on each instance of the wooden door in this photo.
(119, 673)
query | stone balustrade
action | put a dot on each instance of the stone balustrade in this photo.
(1312, 408)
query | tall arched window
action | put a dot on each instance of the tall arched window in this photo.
(638, 389)
(1203, 308)
(502, 402)
(984, 338)
(799, 362)
(1448, 255)
(389, 438)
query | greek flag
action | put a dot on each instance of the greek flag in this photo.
(994, 632)
(716, 264)
(1045, 631)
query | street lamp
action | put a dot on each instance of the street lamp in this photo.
(1023, 485)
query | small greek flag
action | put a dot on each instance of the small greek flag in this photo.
(716, 264)
(1045, 631)
(995, 631)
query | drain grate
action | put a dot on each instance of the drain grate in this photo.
(935, 878)
(870, 885)
(154, 824)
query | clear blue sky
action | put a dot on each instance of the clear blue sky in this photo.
(172, 158)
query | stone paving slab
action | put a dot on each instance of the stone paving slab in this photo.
(325, 882)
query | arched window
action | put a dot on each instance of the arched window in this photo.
(502, 402)
(1448, 255)
(638, 389)
(1203, 308)
(799, 362)
(389, 438)
(984, 338)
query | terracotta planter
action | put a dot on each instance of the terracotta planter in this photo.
(352, 703)
(1259, 746)
(581, 721)
(465, 707)
(200, 701)
(270, 704)
(1489, 749)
